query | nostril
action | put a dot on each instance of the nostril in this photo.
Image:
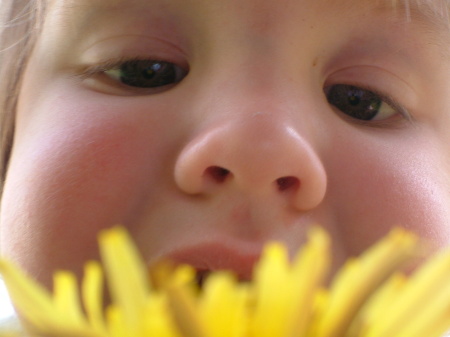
(285, 183)
(219, 174)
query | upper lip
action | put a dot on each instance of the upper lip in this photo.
(239, 258)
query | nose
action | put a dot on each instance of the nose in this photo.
(256, 155)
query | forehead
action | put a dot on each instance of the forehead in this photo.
(74, 20)
(434, 5)
(429, 12)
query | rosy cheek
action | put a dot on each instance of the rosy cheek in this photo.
(70, 177)
(377, 186)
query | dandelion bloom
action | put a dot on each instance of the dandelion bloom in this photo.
(368, 297)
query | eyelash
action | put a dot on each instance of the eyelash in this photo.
(110, 64)
(116, 63)
(387, 99)
(102, 68)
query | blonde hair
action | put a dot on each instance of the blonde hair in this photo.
(20, 24)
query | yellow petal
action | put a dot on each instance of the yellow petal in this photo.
(309, 270)
(184, 312)
(360, 277)
(223, 306)
(93, 296)
(272, 293)
(285, 293)
(158, 321)
(423, 286)
(33, 301)
(432, 319)
(66, 300)
(380, 300)
(117, 326)
(126, 274)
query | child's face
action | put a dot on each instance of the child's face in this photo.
(235, 123)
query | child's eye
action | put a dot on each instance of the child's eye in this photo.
(359, 103)
(146, 73)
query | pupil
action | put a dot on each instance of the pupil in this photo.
(355, 102)
(148, 74)
(354, 98)
(151, 71)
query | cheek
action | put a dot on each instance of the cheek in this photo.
(378, 187)
(72, 173)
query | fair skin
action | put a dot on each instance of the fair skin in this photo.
(243, 150)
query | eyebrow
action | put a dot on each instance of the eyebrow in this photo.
(432, 13)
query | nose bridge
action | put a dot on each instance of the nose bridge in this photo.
(248, 68)
(257, 148)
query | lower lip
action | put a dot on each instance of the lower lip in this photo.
(216, 256)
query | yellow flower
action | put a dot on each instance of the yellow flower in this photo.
(368, 297)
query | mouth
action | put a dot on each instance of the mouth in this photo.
(206, 258)
(201, 276)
